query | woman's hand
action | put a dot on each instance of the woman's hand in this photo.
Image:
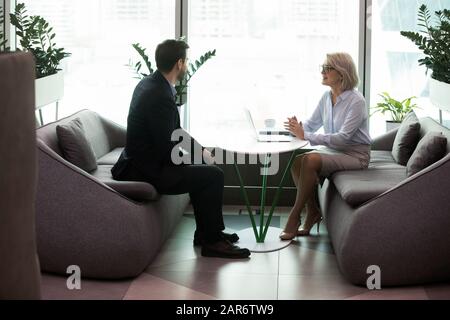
(208, 157)
(295, 127)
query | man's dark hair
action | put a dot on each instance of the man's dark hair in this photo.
(168, 53)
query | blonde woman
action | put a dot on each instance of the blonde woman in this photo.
(343, 114)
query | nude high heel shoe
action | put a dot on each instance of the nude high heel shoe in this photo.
(306, 229)
(285, 236)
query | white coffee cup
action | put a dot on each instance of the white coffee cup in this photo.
(270, 123)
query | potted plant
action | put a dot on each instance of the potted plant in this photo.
(37, 37)
(397, 109)
(434, 42)
(181, 86)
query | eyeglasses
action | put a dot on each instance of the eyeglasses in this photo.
(325, 68)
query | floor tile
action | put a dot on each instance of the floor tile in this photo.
(306, 270)
(315, 242)
(175, 250)
(54, 288)
(258, 263)
(148, 287)
(294, 287)
(408, 293)
(438, 291)
(225, 286)
(298, 260)
(185, 228)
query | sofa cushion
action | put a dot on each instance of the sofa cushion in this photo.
(136, 190)
(110, 157)
(75, 147)
(431, 148)
(378, 156)
(94, 130)
(430, 125)
(383, 160)
(359, 186)
(406, 140)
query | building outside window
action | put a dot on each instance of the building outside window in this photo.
(394, 58)
(268, 57)
(99, 34)
(268, 54)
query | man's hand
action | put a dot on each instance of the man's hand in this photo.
(295, 127)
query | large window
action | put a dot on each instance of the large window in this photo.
(99, 34)
(394, 58)
(268, 57)
(268, 54)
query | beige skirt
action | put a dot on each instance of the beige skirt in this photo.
(354, 158)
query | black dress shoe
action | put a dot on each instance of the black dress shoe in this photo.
(232, 237)
(224, 249)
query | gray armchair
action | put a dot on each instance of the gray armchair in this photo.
(110, 229)
(382, 217)
(19, 269)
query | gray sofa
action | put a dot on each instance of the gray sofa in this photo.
(110, 229)
(380, 217)
(19, 267)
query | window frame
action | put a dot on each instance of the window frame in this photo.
(10, 34)
(365, 51)
(181, 30)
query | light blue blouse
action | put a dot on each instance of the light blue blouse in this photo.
(345, 124)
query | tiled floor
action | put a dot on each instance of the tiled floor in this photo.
(307, 269)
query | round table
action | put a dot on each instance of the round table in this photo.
(262, 238)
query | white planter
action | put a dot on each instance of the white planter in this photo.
(391, 125)
(49, 89)
(440, 94)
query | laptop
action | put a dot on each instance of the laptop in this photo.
(269, 135)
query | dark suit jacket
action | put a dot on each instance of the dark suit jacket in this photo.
(152, 118)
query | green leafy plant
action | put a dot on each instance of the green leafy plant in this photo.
(397, 109)
(138, 65)
(37, 37)
(181, 86)
(2, 35)
(434, 41)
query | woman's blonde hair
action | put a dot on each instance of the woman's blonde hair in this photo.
(343, 63)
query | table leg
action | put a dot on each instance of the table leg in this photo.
(278, 192)
(260, 235)
(263, 197)
(247, 203)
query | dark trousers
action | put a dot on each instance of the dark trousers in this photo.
(205, 184)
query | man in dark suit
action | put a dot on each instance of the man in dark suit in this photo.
(152, 118)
